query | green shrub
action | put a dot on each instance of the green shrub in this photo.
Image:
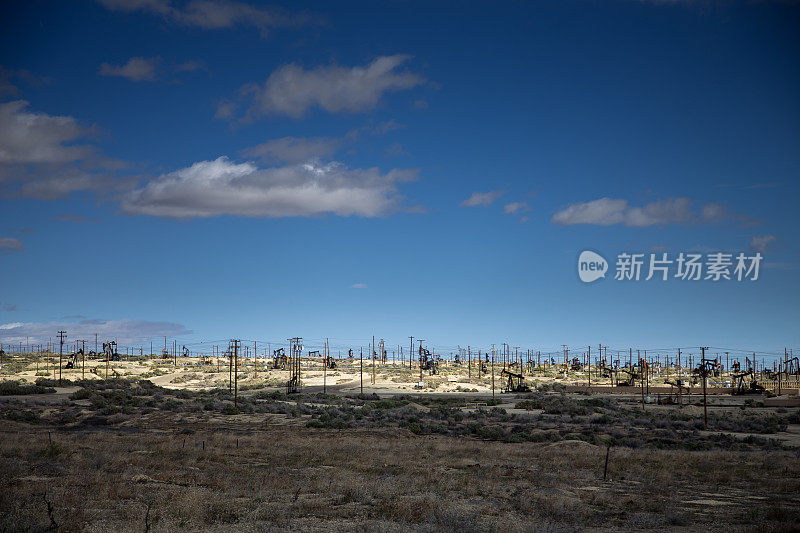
(8, 388)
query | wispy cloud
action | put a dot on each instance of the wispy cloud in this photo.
(762, 243)
(396, 150)
(9, 78)
(305, 149)
(135, 69)
(190, 66)
(482, 198)
(295, 149)
(138, 69)
(10, 244)
(612, 211)
(222, 187)
(217, 14)
(292, 90)
(515, 208)
(74, 217)
(358, 286)
(126, 331)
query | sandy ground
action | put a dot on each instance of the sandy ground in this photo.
(389, 378)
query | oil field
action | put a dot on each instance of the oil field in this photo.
(375, 440)
(400, 266)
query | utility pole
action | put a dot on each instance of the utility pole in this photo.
(236, 373)
(705, 401)
(108, 358)
(411, 352)
(60, 353)
(492, 371)
(361, 360)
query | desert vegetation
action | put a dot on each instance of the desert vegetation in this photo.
(130, 455)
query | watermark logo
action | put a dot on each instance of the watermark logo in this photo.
(591, 266)
(716, 267)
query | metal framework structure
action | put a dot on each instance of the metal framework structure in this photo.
(295, 351)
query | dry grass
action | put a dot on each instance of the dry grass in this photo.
(257, 472)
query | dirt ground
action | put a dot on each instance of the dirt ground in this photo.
(161, 448)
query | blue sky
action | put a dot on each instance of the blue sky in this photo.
(217, 169)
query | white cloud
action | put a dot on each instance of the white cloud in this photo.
(761, 243)
(515, 207)
(611, 211)
(294, 149)
(215, 14)
(358, 286)
(482, 198)
(10, 244)
(135, 69)
(291, 90)
(27, 137)
(221, 187)
(125, 331)
(44, 156)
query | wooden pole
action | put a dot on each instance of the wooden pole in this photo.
(236, 374)
(492, 371)
(60, 354)
(705, 399)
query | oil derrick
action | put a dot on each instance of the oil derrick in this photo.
(295, 351)
(72, 362)
(279, 360)
(110, 351)
(742, 386)
(428, 362)
(515, 382)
